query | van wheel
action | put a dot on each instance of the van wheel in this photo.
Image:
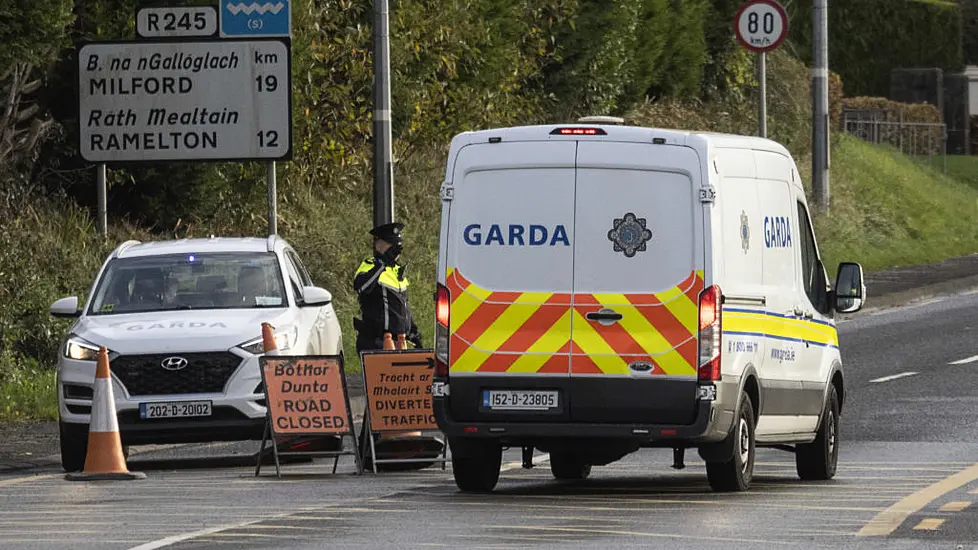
(568, 466)
(475, 463)
(736, 474)
(74, 445)
(818, 460)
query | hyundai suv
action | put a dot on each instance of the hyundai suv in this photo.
(182, 322)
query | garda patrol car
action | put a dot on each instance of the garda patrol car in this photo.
(603, 288)
(182, 323)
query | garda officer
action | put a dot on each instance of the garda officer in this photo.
(383, 290)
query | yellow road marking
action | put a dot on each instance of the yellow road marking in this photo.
(929, 524)
(955, 506)
(890, 519)
(26, 479)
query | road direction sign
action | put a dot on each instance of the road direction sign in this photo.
(176, 22)
(142, 101)
(256, 18)
(761, 25)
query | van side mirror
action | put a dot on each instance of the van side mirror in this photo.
(66, 308)
(850, 288)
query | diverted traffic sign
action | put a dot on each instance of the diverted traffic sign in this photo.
(306, 395)
(215, 100)
(761, 25)
(399, 406)
(398, 390)
(256, 18)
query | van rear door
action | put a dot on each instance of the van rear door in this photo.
(509, 274)
(638, 272)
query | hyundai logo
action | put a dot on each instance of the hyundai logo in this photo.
(174, 363)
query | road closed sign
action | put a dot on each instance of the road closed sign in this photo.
(306, 395)
(761, 25)
(398, 389)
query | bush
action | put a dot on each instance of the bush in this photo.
(870, 38)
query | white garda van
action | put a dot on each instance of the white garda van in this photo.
(603, 288)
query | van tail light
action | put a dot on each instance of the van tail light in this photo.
(710, 309)
(442, 318)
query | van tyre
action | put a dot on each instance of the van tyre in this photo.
(818, 460)
(475, 463)
(736, 474)
(74, 445)
(569, 466)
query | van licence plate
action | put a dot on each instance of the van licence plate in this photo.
(520, 400)
(174, 409)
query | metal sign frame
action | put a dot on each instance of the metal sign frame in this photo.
(367, 431)
(269, 431)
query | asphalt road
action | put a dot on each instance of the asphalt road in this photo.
(908, 478)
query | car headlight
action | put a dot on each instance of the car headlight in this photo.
(80, 350)
(284, 338)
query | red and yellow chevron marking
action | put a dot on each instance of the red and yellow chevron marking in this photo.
(530, 332)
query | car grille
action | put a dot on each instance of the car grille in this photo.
(204, 373)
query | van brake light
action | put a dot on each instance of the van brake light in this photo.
(710, 310)
(578, 131)
(442, 324)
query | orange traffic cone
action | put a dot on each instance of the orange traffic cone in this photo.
(104, 459)
(388, 341)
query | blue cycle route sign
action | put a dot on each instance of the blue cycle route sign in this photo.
(255, 18)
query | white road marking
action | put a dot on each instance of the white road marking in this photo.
(169, 541)
(971, 359)
(893, 377)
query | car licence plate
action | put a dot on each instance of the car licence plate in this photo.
(174, 409)
(520, 400)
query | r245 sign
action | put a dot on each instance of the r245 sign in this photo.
(761, 25)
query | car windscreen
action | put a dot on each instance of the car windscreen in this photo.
(190, 281)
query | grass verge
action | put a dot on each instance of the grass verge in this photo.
(28, 393)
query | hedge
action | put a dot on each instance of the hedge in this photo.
(870, 38)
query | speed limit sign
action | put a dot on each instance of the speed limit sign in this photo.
(761, 25)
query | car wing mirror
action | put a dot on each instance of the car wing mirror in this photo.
(850, 288)
(66, 308)
(315, 296)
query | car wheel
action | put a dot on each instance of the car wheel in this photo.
(819, 459)
(74, 445)
(736, 474)
(569, 466)
(475, 463)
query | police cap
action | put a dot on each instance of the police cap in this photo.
(390, 232)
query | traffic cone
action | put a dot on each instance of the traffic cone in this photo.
(104, 459)
(388, 342)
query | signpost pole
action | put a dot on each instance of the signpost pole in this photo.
(762, 94)
(820, 104)
(100, 184)
(272, 204)
(383, 170)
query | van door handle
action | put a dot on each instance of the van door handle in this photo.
(605, 315)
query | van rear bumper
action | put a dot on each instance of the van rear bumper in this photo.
(701, 430)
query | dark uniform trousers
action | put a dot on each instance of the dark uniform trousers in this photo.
(383, 292)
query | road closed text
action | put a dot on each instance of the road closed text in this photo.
(305, 396)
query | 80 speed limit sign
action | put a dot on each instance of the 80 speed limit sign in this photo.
(761, 25)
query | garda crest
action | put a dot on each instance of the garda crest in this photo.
(744, 232)
(630, 235)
